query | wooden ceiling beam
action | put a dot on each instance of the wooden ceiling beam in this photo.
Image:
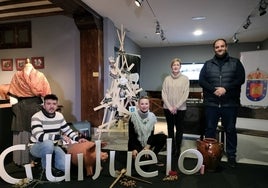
(31, 8)
(26, 9)
(17, 2)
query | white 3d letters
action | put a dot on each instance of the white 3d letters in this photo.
(198, 165)
(138, 163)
(3, 172)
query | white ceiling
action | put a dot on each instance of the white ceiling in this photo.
(223, 19)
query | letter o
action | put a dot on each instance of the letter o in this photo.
(198, 165)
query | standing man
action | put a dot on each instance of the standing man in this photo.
(221, 79)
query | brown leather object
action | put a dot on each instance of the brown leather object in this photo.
(89, 154)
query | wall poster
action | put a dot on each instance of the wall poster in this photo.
(7, 64)
(254, 90)
(38, 62)
(20, 63)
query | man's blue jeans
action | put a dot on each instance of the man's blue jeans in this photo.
(228, 117)
(40, 149)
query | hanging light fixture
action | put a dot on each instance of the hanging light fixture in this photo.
(162, 35)
(262, 7)
(247, 24)
(157, 28)
(235, 39)
(138, 3)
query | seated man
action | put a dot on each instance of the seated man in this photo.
(48, 127)
(141, 131)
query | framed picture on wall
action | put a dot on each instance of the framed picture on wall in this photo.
(7, 64)
(38, 62)
(20, 63)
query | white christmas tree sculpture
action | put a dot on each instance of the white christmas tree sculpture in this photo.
(122, 92)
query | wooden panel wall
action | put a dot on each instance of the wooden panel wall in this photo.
(91, 47)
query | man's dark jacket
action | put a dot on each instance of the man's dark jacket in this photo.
(227, 72)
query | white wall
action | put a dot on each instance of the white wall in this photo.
(155, 62)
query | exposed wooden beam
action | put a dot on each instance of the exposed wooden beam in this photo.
(22, 3)
(30, 16)
(24, 9)
(30, 9)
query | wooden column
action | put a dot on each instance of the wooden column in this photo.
(91, 47)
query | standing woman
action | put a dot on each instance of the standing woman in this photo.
(175, 91)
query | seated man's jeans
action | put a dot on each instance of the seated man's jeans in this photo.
(40, 149)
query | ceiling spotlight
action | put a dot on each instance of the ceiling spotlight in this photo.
(196, 18)
(198, 32)
(157, 28)
(262, 7)
(138, 3)
(247, 24)
(235, 39)
(162, 35)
